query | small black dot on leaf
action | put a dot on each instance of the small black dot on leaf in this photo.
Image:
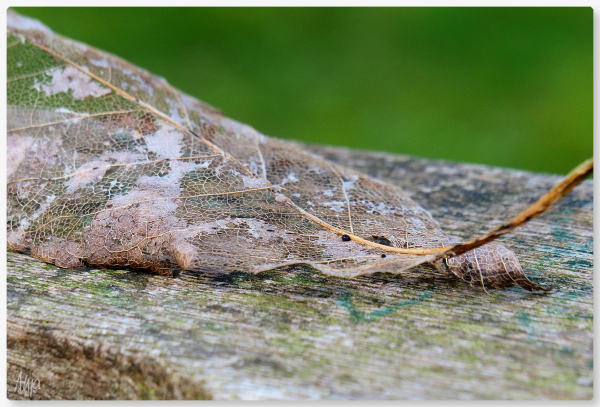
(346, 238)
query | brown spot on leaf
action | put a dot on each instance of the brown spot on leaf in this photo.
(144, 124)
(208, 132)
(59, 252)
(280, 165)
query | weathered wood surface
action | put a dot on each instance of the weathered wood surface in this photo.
(295, 334)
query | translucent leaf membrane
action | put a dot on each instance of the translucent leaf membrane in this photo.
(110, 166)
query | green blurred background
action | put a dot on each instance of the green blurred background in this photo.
(507, 87)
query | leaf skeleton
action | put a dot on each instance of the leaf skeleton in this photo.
(109, 166)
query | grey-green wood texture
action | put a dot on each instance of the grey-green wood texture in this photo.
(296, 334)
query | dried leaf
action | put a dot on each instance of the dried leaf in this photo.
(109, 166)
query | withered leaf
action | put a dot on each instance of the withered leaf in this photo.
(109, 166)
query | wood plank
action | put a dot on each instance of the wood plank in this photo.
(296, 334)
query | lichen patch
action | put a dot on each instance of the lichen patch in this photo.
(166, 142)
(16, 151)
(254, 182)
(93, 171)
(71, 79)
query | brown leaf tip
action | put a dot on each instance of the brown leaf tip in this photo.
(492, 265)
